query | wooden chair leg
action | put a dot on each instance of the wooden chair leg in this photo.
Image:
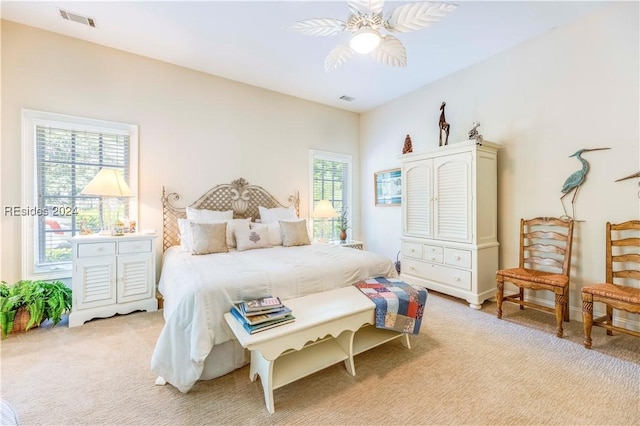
(499, 296)
(587, 318)
(566, 306)
(521, 298)
(609, 319)
(560, 301)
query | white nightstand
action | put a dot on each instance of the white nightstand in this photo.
(112, 275)
(349, 243)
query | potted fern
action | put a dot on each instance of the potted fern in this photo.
(26, 304)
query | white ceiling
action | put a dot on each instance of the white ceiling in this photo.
(249, 41)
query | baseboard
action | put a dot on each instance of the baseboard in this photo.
(575, 313)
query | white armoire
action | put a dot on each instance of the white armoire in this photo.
(449, 220)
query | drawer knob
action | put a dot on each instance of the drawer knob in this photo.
(457, 278)
(100, 249)
(456, 257)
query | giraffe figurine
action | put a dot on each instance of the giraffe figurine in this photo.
(444, 126)
(407, 145)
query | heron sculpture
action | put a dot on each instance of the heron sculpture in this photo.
(576, 179)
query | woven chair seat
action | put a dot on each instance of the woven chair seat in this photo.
(614, 292)
(535, 276)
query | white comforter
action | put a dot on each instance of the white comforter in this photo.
(199, 290)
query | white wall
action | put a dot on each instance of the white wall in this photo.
(575, 87)
(196, 130)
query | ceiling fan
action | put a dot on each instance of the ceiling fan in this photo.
(365, 22)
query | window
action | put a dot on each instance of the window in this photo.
(330, 180)
(61, 154)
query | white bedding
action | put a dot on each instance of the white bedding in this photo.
(199, 290)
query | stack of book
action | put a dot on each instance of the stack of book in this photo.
(261, 314)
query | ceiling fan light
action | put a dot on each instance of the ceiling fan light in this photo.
(365, 40)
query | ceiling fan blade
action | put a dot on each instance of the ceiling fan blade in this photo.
(415, 16)
(391, 52)
(319, 26)
(338, 56)
(365, 7)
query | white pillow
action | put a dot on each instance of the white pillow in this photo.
(185, 234)
(208, 238)
(207, 216)
(276, 214)
(249, 239)
(294, 233)
(273, 229)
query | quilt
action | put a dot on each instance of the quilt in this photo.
(399, 306)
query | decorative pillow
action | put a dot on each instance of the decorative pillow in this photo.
(208, 237)
(274, 231)
(294, 233)
(234, 225)
(249, 239)
(208, 216)
(276, 214)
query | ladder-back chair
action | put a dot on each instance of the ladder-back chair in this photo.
(545, 264)
(623, 267)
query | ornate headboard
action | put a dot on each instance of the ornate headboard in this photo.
(239, 196)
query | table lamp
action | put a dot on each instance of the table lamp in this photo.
(324, 210)
(108, 184)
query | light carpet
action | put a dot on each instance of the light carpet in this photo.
(465, 367)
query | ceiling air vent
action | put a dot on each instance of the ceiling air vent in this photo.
(70, 16)
(346, 98)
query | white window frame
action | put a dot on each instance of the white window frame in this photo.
(31, 119)
(331, 156)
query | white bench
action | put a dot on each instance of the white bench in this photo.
(330, 327)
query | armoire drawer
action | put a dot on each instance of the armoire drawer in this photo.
(434, 272)
(412, 250)
(432, 253)
(456, 257)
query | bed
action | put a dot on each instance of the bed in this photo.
(195, 342)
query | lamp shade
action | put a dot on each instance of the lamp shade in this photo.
(324, 210)
(107, 183)
(365, 40)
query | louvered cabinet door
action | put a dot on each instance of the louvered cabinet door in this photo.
(453, 197)
(417, 190)
(94, 282)
(134, 277)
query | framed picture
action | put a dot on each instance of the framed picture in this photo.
(388, 187)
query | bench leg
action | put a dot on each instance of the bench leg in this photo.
(405, 341)
(263, 368)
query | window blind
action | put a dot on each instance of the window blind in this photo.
(330, 182)
(66, 161)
